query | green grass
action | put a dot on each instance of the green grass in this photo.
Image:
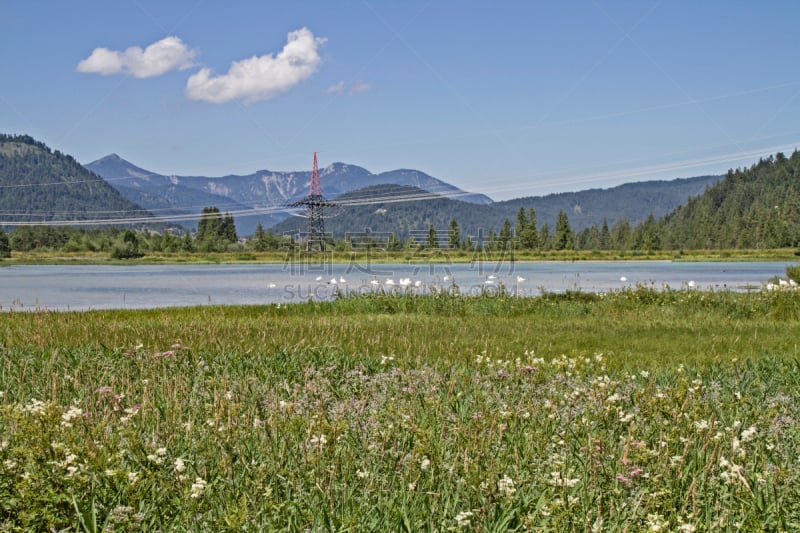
(404, 256)
(634, 410)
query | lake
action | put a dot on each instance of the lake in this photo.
(82, 287)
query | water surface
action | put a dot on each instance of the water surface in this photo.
(81, 287)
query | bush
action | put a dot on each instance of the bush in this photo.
(793, 272)
(128, 248)
(122, 251)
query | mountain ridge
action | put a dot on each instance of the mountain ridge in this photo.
(405, 210)
(265, 192)
(43, 185)
(261, 197)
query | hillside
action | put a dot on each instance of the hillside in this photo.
(757, 207)
(258, 197)
(46, 186)
(394, 208)
(633, 202)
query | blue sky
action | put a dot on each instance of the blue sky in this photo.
(510, 99)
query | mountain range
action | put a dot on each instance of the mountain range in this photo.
(261, 197)
(258, 197)
(39, 184)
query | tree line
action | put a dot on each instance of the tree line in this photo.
(215, 233)
(525, 234)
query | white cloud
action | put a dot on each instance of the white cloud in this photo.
(335, 88)
(170, 53)
(260, 78)
(354, 88)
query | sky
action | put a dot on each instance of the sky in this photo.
(509, 99)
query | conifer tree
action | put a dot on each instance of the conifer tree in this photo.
(433, 239)
(5, 247)
(453, 235)
(564, 238)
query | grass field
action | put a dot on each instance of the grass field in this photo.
(636, 410)
(404, 256)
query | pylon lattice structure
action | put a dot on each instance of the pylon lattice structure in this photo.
(315, 204)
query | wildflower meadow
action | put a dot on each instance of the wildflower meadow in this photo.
(639, 410)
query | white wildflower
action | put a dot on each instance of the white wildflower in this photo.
(748, 434)
(425, 464)
(179, 466)
(317, 441)
(198, 487)
(463, 518)
(70, 414)
(129, 412)
(625, 417)
(736, 447)
(656, 523)
(34, 407)
(362, 474)
(505, 486)
(558, 481)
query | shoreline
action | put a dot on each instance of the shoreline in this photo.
(403, 257)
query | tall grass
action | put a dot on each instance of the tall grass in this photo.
(669, 410)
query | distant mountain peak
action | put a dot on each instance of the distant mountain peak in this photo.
(343, 168)
(333, 167)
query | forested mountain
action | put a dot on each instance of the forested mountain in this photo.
(631, 203)
(38, 184)
(757, 207)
